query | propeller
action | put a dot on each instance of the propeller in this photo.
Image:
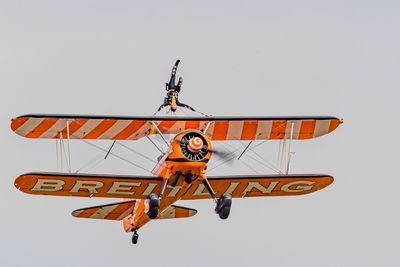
(194, 144)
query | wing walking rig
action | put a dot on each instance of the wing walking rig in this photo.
(179, 173)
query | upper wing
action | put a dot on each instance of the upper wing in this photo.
(261, 185)
(133, 128)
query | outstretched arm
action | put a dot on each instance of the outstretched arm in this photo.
(179, 104)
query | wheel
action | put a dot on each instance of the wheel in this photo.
(152, 206)
(224, 212)
(153, 212)
(224, 206)
(135, 237)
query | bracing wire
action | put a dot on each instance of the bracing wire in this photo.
(269, 167)
(119, 157)
(272, 167)
(95, 161)
(136, 152)
(92, 163)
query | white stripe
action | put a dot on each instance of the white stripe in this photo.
(55, 129)
(115, 129)
(178, 126)
(142, 131)
(192, 213)
(168, 213)
(86, 128)
(203, 125)
(321, 127)
(235, 129)
(28, 126)
(210, 129)
(264, 129)
(296, 128)
(77, 213)
(103, 212)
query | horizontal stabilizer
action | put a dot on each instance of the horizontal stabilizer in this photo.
(173, 212)
(133, 128)
(116, 211)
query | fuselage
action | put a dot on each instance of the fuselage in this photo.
(181, 163)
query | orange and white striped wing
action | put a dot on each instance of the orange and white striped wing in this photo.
(116, 211)
(173, 212)
(80, 127)
(272, 128)
(133, 128)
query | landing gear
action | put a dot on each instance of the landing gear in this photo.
(135, 237)
(224, 203)
(176, 177)
(152, 206)
(224, 206)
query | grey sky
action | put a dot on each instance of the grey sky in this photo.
(336, 58)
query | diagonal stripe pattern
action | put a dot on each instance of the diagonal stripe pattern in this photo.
(133, 128)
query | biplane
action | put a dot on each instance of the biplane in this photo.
(180, 172)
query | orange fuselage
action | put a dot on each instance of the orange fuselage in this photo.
(172, 162)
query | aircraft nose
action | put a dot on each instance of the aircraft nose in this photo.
(195, 144)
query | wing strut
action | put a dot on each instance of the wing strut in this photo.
(289, 151)
(160, 133)
(69, 151)
(158, 148)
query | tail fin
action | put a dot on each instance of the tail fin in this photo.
(115, 211)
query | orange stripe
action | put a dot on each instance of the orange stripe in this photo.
(192, 125)
(307, 129)
(42, 128)
(220, 130)
(180, 213)
(278, 130)
(88, 213)
(249, 130)
(18, 122)
(121, 208)
(334, 124)
(73, 127)
(164, 126)
(129, 130)
(100, 129)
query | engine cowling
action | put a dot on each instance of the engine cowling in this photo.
(190, 146)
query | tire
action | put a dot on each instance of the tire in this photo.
(154, 204)
(153, 212)
(135, 238)
(224, 212)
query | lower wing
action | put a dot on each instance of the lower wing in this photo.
(139, 187)
(261, 185)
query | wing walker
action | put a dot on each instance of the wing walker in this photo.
(180, 171)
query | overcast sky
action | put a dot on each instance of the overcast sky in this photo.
(337, 58)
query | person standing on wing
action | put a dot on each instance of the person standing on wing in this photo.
(172, 92)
